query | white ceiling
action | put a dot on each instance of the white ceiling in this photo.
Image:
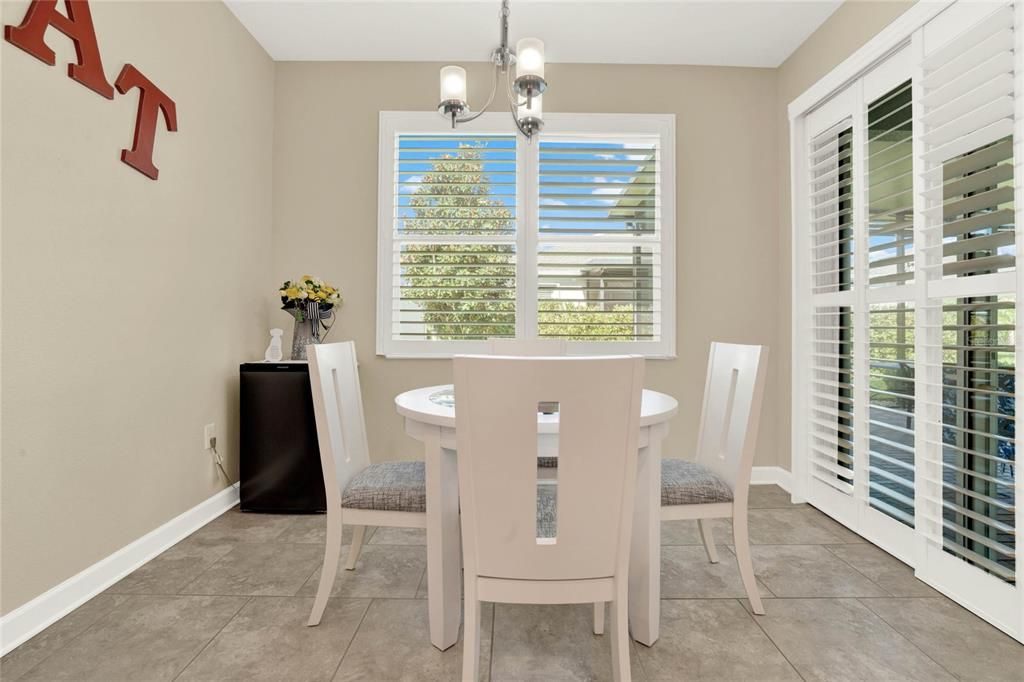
(718, 32)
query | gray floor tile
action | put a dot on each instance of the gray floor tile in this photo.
(795, 526)
(844, 534)
(169, 572)
(841, 639)
(886, 571)
(268, 640)
(146, 638)
(790, 525)
(386, 571)
(712, 639)
(963, 643)
(312, 528)
(393, 643)
(770, 497)
(686, 573)
(152, 637)
(237, 526)
(809, 571)
(268, 570)
(551, 642)
(399, 536)
(679, 533)
(687, 532)
(19, 661)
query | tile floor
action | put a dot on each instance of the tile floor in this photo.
(230, 603)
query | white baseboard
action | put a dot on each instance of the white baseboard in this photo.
(772, 476)
(49, 607)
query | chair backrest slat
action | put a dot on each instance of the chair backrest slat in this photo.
(496, 411)
(731, 411)
(338, 406)
(528, 347)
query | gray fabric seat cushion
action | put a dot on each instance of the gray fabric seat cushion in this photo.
(388, 486)
(685, 482)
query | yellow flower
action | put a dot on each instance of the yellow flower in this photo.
(292, 292)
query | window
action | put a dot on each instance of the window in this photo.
(483, 234)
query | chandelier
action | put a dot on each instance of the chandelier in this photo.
(524, 92)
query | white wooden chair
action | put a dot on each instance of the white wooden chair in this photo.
(511, 552)
(716, 485)
(358, 493)
(528, 347)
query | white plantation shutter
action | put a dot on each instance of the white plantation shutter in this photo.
(909, 188)
(970, 109)
(832, 250)
(483, 234)
(890, 188)
(968, 105)
(599, 239)
(831, 193)
(831, 418)
(891, 402)
(454, 237)
(976, 444)
(889, 390)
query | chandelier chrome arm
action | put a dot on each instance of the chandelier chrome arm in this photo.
(473, 117)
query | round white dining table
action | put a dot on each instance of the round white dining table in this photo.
(429, 415)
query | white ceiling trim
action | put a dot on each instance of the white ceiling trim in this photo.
(758, 33)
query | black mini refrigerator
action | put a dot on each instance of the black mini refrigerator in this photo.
(279, 458)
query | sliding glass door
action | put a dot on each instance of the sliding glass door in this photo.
(907, 287)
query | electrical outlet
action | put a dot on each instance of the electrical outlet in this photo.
(209, 435)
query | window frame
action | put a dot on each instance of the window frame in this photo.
(562, 126)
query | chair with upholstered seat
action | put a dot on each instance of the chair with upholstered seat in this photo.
(358, 493)
(717, 483)
(521, 545)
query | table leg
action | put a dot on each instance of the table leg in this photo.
(645, 552)
(444, 556)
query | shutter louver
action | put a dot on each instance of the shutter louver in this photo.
(968, 121)
(890, 188)
(454, 237)
(977, 511)
(891, 410)
(599, 240)
(831, 192)
(831, 396)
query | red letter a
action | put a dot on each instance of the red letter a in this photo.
(151, 100)
(77, 25)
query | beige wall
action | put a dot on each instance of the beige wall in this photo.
(127, 303)
(852, 25)
(325, 209)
